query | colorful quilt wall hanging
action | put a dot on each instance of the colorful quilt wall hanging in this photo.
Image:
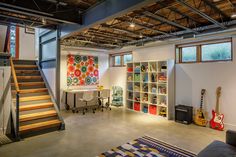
(82, 70)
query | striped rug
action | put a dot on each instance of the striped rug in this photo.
(148, 147)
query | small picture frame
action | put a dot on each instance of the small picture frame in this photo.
(29, 30)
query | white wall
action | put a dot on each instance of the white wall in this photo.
(103, 64)
(3, 31)
(5, 109)
(26, 45)
(191, 78)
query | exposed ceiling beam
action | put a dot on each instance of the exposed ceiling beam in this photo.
(159, 18)
(34, 13)
(122, 37)
(123, 30)
(98, 38)
(90, 42)
(106, 36)
(210, 4)
(205, 29)
(178, 12)
(21, 19)
(195, 10)
(107, 10)
(146, 27)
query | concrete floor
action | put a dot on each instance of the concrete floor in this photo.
(91, 134)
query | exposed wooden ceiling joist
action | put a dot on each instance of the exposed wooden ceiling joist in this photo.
(195, 10)
(159, 18)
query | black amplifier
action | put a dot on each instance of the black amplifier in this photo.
(184, 114)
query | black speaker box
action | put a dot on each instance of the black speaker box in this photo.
(184, 114)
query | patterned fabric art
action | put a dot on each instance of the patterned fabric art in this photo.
(82, 70)
(147, 147)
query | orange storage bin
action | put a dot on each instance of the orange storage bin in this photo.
(137, 106)
(153, 109)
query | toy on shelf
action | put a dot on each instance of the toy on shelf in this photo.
(136, 77)
(153, 77)
(153, 67)
(136, 88)
(137, 69)
(145, 97)
(154, 88)
(137, 98)
(161, 89)
(162, 111)
(162, 100)
(117, 96)
(130, 86)
(144, 68)
(154, 99)
(162, 77)
(130, 95)
(145, 77)
(130, 78)
(145, 87)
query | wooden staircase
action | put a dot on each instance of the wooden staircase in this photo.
(37, 112)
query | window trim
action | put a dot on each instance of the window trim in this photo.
(112, 59)
(199, 50)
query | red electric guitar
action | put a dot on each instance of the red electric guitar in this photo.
(217, 118)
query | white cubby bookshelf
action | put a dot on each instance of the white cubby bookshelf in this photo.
(150, 87)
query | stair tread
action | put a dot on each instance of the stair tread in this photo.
(25, 66)
(33, 98)
(35, 106)
(40, 125)
(27, 71)
(29, 83)
(28, 77)
(38, 115)
(34, 90)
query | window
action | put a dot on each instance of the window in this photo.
(120, 59)
(205, 51)
(13, 41)
(189, 54)
(49, 50)
(216, 52)
(117, 60)
(127, 58)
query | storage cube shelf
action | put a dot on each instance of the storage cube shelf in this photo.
(150, 87)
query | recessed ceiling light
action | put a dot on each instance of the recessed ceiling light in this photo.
(132, 25)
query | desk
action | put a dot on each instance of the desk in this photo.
(75, 91)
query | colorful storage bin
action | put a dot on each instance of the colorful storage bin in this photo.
(145, 109)
(153, 109)
(137, 106)
(130, 69)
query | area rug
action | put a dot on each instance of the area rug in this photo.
(147, 147)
